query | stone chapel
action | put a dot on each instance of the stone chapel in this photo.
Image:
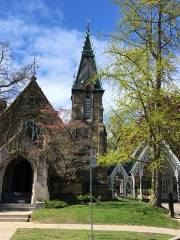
(40, 156)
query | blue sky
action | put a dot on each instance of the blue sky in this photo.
(71, 14)
(53, 32)
(102, 14)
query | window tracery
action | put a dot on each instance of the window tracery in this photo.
(32, 130)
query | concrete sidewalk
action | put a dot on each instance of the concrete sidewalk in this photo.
(9, 228)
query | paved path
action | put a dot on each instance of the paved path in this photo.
(8, 229)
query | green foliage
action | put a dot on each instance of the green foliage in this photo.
(55, 204)
(143, 63)
(86, 198)
(143, 66)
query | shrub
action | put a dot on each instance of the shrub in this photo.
(55, 204)
(86, 198)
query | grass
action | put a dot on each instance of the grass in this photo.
(114, 212)
(47, 234)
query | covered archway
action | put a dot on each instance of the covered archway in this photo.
(119, 181)
(17, 182)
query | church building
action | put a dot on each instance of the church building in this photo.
(43, 158)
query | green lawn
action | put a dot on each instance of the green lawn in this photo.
(114, 212)
(47, 234)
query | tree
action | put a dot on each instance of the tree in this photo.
(10, 81)
(143, 55)
(67, 147)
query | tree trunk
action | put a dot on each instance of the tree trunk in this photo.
(155, 199)
(156, 176)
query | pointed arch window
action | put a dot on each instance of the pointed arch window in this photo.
(87, 106)
(32, 130)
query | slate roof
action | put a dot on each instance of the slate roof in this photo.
(87, 67)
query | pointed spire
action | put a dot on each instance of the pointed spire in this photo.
(87, 49)
(87, 68)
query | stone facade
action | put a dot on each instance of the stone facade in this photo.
(17, 142)
(40, 156)
(87, 93)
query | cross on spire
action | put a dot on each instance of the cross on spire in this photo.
(34, 67)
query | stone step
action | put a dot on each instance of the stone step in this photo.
(6, 219)
(16, 206)
(15, 216)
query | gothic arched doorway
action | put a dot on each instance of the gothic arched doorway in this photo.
(17, 182)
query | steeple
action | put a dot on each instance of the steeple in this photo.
(87, 67)
(87, 94)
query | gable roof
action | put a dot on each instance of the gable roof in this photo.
(142, 154)
(30, 104)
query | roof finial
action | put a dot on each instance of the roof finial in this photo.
(34, 68)
(88, 26)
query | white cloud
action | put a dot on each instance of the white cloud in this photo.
(58, 53)
(32, 6)
(36, 11)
